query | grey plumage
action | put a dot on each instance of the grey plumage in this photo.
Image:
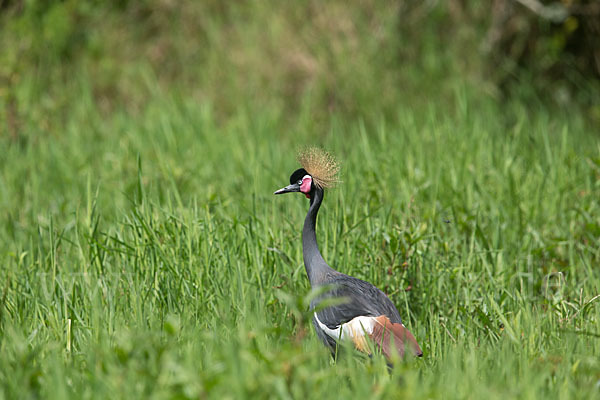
(363, 299)
(362, 309)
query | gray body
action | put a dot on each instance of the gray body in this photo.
(362, 298)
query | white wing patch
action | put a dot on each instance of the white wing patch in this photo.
(354, 330)
(387, 336)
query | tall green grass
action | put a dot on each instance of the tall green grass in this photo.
(145, 255)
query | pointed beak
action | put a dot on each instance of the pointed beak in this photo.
(290, 188)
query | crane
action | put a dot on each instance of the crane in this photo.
(365, 314)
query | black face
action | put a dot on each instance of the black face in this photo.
(296, 183)
(298, 175)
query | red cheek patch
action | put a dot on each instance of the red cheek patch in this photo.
(305, 186)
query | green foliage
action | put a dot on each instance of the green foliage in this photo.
(144, 254)
(552, 45)
(297, 59)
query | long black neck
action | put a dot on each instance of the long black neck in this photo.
(316, 267)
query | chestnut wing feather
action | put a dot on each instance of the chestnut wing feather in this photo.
(383, 332)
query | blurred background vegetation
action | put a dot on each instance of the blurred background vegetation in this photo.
(360, 61)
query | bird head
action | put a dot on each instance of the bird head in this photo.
(300, 181)
(319, 170)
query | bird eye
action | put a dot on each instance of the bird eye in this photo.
(300, 182)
